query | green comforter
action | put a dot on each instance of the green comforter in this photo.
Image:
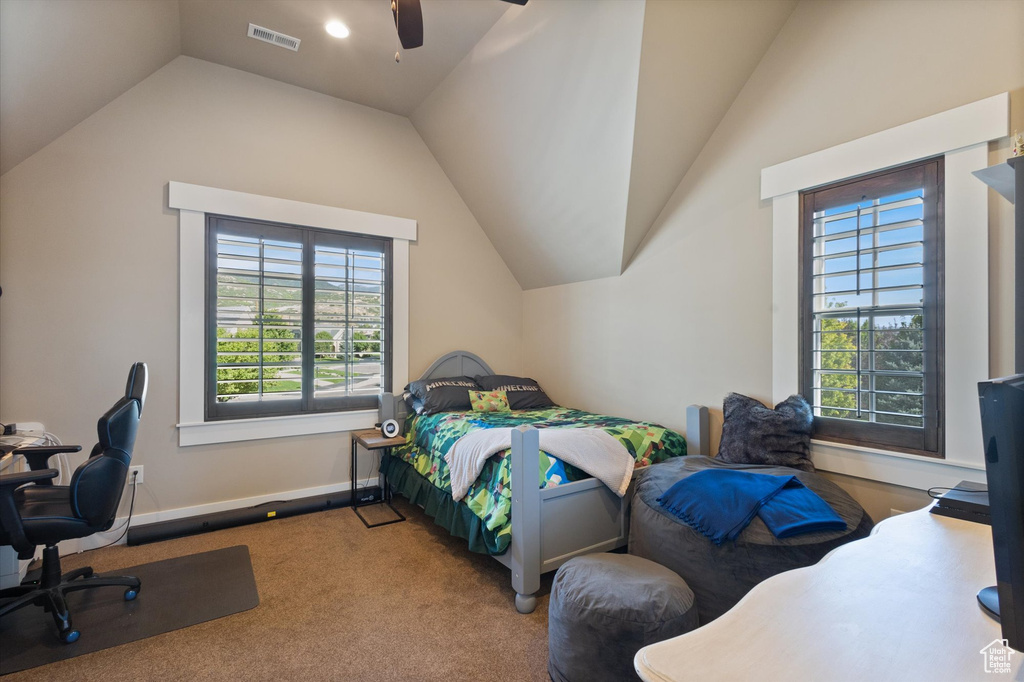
(489, 499)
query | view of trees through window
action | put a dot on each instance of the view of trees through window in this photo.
(238, 347)
(261, 294)
(871, 318)
(897, 391)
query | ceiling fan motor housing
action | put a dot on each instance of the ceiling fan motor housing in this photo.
(409, 22)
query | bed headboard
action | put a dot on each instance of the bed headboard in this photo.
(455, 364)
(458, 363)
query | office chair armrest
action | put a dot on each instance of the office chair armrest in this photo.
(38, 456)
(8, 482)
(10, 520)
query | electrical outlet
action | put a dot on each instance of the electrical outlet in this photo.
(137, 472)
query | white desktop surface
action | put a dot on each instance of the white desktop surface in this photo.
(11, 569)
(10, 443)
(898, 605)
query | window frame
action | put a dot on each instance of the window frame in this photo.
(929, 440)
(309, 237)
(193, 203)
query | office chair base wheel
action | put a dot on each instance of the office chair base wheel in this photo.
(131, 594)
(70, 636)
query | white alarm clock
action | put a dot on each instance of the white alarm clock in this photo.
(389, 429)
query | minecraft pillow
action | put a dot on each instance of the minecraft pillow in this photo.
(523, 393)
(489, 401)
(755, 434)
(447, 394)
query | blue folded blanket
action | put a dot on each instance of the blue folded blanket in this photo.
(720, 503)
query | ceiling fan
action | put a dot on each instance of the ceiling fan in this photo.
(409, 21)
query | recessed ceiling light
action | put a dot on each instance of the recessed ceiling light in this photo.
(337, 29)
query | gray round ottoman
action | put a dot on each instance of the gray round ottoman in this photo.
(604, 608)
(720, 575)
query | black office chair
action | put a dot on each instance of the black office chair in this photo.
(45, 514)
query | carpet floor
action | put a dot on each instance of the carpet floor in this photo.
(337, 601)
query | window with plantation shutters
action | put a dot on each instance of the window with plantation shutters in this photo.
(298, 319)
(872, 317)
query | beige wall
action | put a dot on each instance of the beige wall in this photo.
(61, 61)
(690, 319)
(535, 129)
(678, 107)
(89, 267)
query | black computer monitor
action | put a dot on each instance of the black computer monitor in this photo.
(1002, 423)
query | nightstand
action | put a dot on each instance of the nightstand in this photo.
(371, 439)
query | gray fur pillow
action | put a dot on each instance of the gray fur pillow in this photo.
(755, 434)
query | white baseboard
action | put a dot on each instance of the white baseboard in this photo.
(111, 536)
(244, 502)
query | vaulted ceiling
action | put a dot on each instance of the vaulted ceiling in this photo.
(61, 60)
(360, 68)
(565, 126)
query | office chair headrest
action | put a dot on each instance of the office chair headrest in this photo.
(118, 426)
(97, 483)
(138, 384)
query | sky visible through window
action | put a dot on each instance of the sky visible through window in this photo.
(868, 297)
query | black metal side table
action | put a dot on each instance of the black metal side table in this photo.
(372, 439)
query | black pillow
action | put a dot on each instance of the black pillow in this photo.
(755, 434)
(523, 393)
(447, 394)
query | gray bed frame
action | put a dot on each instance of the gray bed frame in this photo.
(550, 525)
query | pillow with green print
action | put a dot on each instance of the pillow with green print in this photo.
(489, 401)
(523, 393)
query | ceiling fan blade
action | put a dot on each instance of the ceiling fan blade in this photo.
(409, 22)
(517, 2)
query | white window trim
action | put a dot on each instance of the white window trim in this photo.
(962, 136)
(193, 202)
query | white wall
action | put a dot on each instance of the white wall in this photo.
(535, 129)
(88, 261)
(688, 73)
(690, 319)
(61, 61)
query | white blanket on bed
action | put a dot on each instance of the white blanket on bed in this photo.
(592, 450)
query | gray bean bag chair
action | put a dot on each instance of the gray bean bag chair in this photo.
(721, 575)
(606, 607)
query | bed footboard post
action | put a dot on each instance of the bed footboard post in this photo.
(391, 406)
(525, 545)
(698, 432)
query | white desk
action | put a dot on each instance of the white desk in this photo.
(8, 444)
(11, 570)
(899, 605)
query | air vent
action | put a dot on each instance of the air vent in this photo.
(273, 37)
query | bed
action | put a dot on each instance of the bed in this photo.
(527, 510)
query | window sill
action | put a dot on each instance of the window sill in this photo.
(228, 431)
(896, 468)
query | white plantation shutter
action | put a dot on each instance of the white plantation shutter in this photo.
(873, 314)
(351, 311)
(298, 319)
